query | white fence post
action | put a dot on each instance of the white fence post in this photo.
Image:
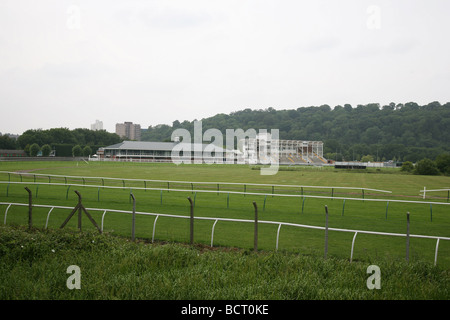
(48, 216)
(212, 232)
(103, 218)
(436, 251)
(154, 226)
(278, 236)
(6, 212)
(353, 245)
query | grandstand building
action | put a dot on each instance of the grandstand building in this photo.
(146, 151)
(259, 150)
(264, 150)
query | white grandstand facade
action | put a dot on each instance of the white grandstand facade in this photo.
(260, 149)
(263, 150)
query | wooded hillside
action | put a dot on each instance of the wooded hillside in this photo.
(391, 132)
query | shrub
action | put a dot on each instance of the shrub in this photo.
(443, 163)
(77, 151)
(426, 167)
(46, 150)
(367, 158)
(34, 149)
(407, 166)
(87, 151)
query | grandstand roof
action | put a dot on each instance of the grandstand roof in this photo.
(161, 146)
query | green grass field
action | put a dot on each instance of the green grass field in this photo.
(382, 216)
(33, 265)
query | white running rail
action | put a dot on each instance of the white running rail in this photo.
(215, 219)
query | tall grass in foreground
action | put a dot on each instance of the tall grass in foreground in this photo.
(33, 265)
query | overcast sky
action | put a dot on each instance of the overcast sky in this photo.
(68, 63)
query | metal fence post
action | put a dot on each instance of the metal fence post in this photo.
(134, 217)
(278, 237)
(212, 231)
(436, 251)
(30, 208)
(79, 209)
(387, 207)
(353, 245)
(255, 245)
(191, 223)
(326, 232)
(303, 204)
(407, 236)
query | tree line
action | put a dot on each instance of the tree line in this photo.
(429, 167)
(398, 132)
(65, 142)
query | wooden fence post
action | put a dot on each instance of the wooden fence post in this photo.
(30, 208)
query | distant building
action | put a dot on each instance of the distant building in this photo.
(259, 150)
(146, 151)
(129, 131)
(98, 125)
(12, 136)
(263, 149)
(12, 153)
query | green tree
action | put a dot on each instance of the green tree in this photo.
(443, 163)
(87, 151)
(46, 149)
(7, 143)
(407, 166)
(367, 158)
(426, 167)
(27, 149)
(34, 149)
(77, 151)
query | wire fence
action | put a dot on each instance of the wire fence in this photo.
(228, 193)
(227, 188)
(237, 187)
(192, 217)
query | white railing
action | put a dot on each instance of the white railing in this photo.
(191, 183)
(424, 191)
(215, 219)
(226, 192)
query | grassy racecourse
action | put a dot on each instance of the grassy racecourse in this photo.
(382, 216)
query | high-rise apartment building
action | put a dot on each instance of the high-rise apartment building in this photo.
(129, 131)
(98, 125)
